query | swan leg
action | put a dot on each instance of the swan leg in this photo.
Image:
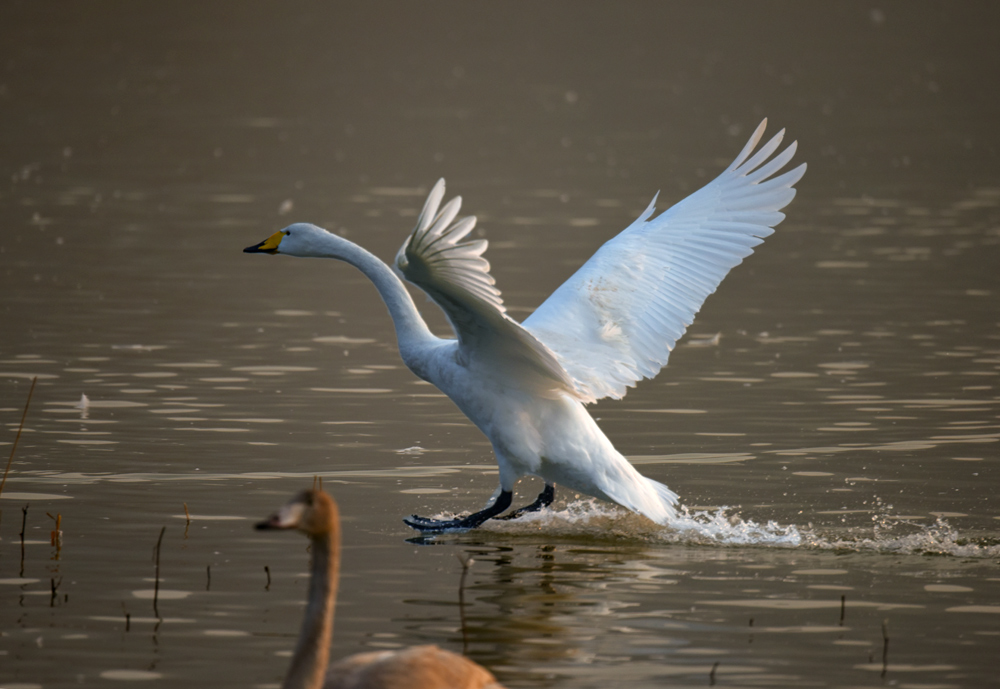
(544, 499)
(463, 523)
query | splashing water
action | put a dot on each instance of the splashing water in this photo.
(721, 527)
(939, 538)
(590, 518)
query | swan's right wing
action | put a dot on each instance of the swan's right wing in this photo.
(616, 320)
(438, 259)
(435, 258)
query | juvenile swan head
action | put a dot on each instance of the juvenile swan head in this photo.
(313, 512)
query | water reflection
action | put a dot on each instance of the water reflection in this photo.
(565, 610)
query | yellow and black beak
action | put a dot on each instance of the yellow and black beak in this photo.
(268, 246)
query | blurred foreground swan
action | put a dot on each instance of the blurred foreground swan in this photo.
(613, 323)
(315, 514)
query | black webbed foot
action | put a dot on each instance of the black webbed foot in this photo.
(460, 523)
(544, 499)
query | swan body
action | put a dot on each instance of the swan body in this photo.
(315, 514)
(613, 323)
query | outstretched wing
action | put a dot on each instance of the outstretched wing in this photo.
(616, 320)
(455, 275)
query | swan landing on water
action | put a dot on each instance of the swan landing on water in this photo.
(613, 323)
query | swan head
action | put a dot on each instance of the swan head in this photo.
(303, 240)
(313, 512)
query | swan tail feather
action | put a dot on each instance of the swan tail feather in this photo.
(638, 493)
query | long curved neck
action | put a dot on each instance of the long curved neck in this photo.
(410, 326)
(312, 654)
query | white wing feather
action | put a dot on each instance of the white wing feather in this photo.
(456, 276)
(616, 320)
(434, 257)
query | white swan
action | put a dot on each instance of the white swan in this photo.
(314, 513)
(613, 323)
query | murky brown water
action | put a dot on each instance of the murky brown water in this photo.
(852, 397)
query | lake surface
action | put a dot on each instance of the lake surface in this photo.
(835, 448)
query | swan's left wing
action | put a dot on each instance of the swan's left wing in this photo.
(438, 259)
(616, 320)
